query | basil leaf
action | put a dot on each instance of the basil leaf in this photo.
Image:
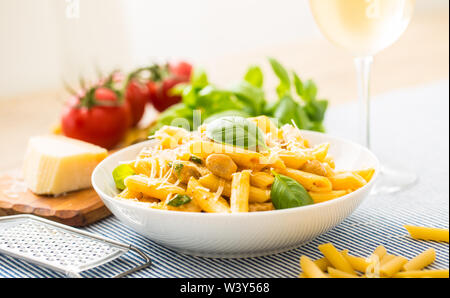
(199, 79)
(288, 193)
(120, 173)
(251, 96)
(316, 109)
(254, 76)
(299, 89)
(236, 131)
(216, 116)
(289, 111)
(179, 200)
(285, 83)
(196, 159)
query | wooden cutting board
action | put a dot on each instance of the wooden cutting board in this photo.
(78, 208)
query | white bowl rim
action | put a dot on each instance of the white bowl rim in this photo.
(252, 214)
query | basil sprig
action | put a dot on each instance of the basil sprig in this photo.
(236, 131)
(179, 200)
(288, 193)
(120, 173)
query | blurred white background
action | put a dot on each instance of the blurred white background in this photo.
(46, 41)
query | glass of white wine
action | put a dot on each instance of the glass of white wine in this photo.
(365, 27)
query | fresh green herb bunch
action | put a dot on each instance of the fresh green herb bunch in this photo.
(247, 99)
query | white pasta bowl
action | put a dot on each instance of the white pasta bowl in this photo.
(239, 234)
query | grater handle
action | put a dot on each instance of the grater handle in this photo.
(147, 263)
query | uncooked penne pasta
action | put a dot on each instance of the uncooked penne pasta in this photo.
(421, 261)
(357, 263)
(393, 266)
(322, 263)
(205, 199)
(240, 189)
(380, 252)
(310, 182)
(335, 273)
(336, 258)
(440, 273)
(424, 233)
(154, 188)
(310, 268)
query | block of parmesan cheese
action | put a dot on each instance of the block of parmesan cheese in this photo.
(55, 165)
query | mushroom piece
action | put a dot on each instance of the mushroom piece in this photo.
(221, 165)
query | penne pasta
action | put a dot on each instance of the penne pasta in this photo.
(366, 174)
(310, 268)
(243, 158)
(347, 180)
(154, 188)
(336, 258)
(240, 189)
(261, 179)
(393, 266)
(205, 199)
(254, 207)
(322, 263)
(319, 197)
(357, 263)
(310, 182)
(335, 273)
(256, 195)
(440, 273)
(424, 233)
(421, 261)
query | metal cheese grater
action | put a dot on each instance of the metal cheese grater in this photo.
(60, 247)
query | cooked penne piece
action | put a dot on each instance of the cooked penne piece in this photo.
(315, 167)
(336, 258)
(421, 261)
(347, 180)
(267, 126)
(261, 179)
(240, 189)
(256, 195)
(310, 182)
(254, 207)
(310, 268)
(442, 273)
(393, 266)
(319, 197)
(205, 199)
(244, 158)
(366, 174)
(320, 152)
(154, 188)
(294, 159)
(128, 194)
(335, 273)
(424, 233)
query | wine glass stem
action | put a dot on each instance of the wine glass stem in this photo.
(363, 68)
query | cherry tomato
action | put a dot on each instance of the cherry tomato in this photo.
(136, 95)
(98, 118)
(181, 69)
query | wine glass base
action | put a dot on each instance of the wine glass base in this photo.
(393, 179)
